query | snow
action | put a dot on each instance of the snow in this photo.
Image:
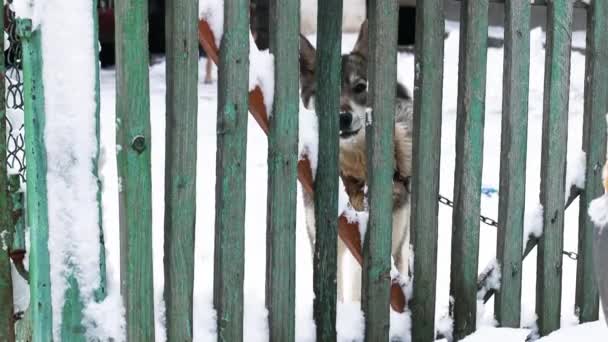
(598, 208)
(533, 223)
(71, 146)
(598, 211)
(485, 334)
(31, 9)
(575, 171)
(588, 332)
(492, 280)
(212, 11)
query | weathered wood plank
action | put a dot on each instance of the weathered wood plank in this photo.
(553, 165)
(516, 75)
(428, 94)
(469, 164)
(327, 104)
(100, 293)
(37, 206)
(328, 73)
(7, 327)
(282, 173)
(180, 165)
(133, 135)
(594, 138)
(231, 171)
(382, 71)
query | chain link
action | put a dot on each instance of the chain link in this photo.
(491, 222)
(15, 153)
(484, 219)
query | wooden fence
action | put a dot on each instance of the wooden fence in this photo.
(184, 32)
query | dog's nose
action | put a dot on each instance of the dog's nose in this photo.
(345, 120)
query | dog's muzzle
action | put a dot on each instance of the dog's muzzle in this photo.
(346, 120)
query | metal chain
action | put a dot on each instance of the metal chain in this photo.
(491, 222)
(484, 219)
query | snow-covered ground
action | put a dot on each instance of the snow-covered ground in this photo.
(350, 319)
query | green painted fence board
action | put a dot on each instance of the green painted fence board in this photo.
(507, 305)
(428, 94)
(282, 173)
(231, 171)
(7, 327)
(553, 165)
(133, 135)
(594, 137)
(72, 328)
(100, 293)
(469, 163)
(382, 71)
(37, 206)
(327, 104)
(180, 166)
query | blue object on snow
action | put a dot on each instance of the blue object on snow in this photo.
(488, 191)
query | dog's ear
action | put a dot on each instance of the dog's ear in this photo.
(307, 57)
(362, 44)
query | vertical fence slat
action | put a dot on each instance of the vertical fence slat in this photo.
(100, 293)
(282, 173)
(327, 104)
(7, 327)
(594, 137)
(180, 165)
(231, 171)
(382, 71)
(133, 135)
(37, 206)
(428, 94)
(513, 161)
(553, 164)
(469, 163)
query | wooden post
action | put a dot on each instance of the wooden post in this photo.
(507, 305)
(553, 165)
(594, 138)
(327, 105)
(382, 70)
(282, 173)
(37, 206)
(7, 326)
(469, 164)
(133, 135)
(428, 94)
(231, 171)
(180, 166)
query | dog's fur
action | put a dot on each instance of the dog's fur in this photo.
(354, 102)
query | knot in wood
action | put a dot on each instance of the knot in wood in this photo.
(139, 144)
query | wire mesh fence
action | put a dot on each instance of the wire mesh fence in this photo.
(14, 95)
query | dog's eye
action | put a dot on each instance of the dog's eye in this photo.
(360, 87)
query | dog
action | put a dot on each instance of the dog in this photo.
(354, 104)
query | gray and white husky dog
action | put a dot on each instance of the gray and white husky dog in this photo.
(354, 102)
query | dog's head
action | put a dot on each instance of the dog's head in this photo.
(354, 99)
